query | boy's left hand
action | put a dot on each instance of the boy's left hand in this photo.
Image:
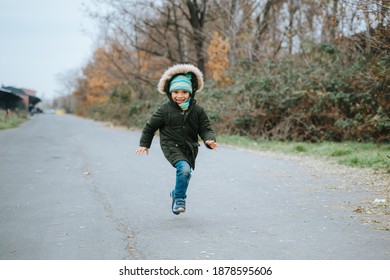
(142, 150)
(212, 144)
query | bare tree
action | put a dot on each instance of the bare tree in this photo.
(143, 36)
(262, 21)
(234, 21)
(292, 8)
(196, 17)
(170, 32)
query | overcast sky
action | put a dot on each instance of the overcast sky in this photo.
(41, 39)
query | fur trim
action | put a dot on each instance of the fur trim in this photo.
(180, 69)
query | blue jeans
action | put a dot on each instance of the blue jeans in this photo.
(183, 176)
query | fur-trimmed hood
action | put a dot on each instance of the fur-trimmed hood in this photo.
(196, 80)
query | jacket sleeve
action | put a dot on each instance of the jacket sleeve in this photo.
(155, 122)
(205, 130)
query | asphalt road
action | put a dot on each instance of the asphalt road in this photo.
(72, 188)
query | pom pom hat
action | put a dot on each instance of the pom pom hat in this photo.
(179, 70)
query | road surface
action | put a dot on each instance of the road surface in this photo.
(72, 188)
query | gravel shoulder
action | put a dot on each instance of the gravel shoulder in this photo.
(374, 210)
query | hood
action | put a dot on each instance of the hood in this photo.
(196, 80)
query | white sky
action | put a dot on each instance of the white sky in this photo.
(41, 39)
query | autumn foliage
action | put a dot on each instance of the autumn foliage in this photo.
(218, 63)
(288, 70)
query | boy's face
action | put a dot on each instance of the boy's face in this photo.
(180, 96)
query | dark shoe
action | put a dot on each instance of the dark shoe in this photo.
(178, 204)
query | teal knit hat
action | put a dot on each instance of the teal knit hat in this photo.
(182, 82)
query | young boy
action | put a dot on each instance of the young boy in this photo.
(180, 121)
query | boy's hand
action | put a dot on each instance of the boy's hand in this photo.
(142, 150)
(212, 144)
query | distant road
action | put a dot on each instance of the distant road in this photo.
(72, 188)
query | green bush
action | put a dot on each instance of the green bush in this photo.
(12, 121)
(320, 95)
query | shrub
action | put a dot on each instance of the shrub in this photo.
(316, 96)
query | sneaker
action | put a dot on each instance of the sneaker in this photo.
(178, 204)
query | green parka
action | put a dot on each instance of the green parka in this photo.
(179, 130)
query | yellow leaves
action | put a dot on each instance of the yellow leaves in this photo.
(144, 61)
(218, 62)
(98, 89)
(98, 81)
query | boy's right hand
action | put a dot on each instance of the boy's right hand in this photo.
(142, 150)
(212, 144)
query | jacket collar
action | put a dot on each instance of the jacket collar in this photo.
(176, 106)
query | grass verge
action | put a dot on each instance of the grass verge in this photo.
(366, 155)
(11, 122)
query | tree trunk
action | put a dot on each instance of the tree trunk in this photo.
(196, 18)
(292, 10)
(263, 24)
(334, 23)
